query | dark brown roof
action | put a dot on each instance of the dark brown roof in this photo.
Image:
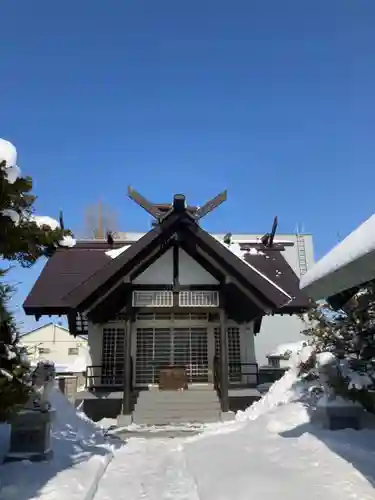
(75, 271)
(64, 271)
(273, 264)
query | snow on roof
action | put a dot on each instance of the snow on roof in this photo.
(348, 264)
(117, 251)
(235, 248)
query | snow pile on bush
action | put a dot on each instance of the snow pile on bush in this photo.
(8, 161)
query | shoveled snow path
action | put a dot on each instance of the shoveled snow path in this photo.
(258, 462)
(148, 469)
(254, 460)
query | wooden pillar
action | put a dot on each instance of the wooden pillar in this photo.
(224, 373)
(127, 397)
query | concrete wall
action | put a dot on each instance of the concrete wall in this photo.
(56, 342)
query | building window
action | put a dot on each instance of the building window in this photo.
(44, 350)
(73, 351)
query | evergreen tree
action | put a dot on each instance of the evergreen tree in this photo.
(24, 238)
(349, 334)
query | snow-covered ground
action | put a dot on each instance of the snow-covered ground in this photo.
(270, 451)
(81, 454)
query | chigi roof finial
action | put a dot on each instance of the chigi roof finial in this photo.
(179, 205)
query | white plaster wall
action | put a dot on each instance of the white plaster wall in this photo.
(161, 272)
(58, 341)
(95, 347)
(95, 343)
(191, 273)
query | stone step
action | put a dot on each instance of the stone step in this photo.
(178, 411)
(191, 388)
(162, 420)
(199, 404)
(179, 396)
(182, 401)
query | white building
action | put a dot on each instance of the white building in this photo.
(54, 343)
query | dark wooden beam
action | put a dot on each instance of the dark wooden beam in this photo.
(72, 322)
(127, 396)
(169, 287)
(224, 370)
(176, 266)
(257, 325)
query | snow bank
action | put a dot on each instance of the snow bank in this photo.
(81, 456)
(285, 390)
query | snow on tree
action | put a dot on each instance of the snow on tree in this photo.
(24, 237)
(348, 335)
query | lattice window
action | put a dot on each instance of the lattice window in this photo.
(113, 356)
(153, 351)
(144, 298)
(157, 347)
(234, 351)
(199, 298)
(81, 323)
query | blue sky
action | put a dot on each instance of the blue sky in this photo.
(273, 100)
